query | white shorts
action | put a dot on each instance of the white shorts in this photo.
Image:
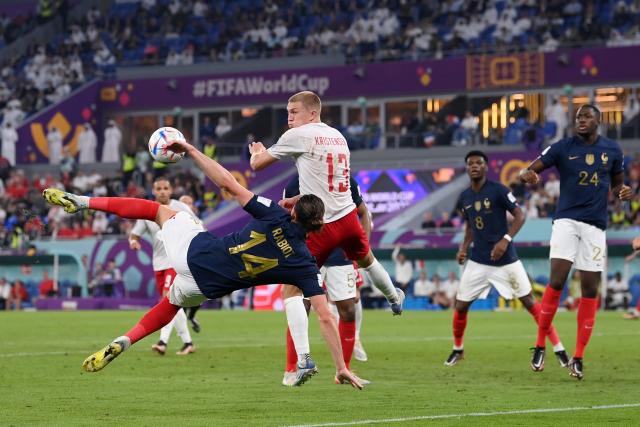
(583, 244)
(340, 281)
(177, 234)
(511, 281)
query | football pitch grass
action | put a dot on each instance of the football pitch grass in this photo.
(234, 378)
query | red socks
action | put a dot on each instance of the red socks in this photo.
(548, 308)
(292, 355)
(156, 318)
(459, 325)
(347, 339)
(126, 207)
(553, 334)
(586, 319)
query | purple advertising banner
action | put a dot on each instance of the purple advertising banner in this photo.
(592, 66)
(67, 117)
(346, 82)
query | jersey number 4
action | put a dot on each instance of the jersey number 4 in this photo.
(253, 264)
(343, 181)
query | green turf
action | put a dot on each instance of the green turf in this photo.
(234, 377)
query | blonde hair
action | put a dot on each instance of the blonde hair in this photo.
(309, 100)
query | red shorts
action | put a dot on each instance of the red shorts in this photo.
(164, 279)
(346, 233)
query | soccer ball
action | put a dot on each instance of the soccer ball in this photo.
(158, 145)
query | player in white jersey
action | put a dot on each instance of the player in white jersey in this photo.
(164, 273)
(322, 158)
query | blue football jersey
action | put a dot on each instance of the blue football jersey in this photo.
(585, 177)
(337, 257)
(486, 214)
(270, 249)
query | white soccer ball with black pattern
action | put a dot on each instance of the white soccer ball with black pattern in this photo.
(159, 141)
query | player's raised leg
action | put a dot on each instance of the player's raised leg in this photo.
(534, 309)
(548, 307)
(154, 319)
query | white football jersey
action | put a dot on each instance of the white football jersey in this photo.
(323, 161)
(160, 260)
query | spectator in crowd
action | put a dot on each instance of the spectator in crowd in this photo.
(112, 140)
(223, 127)
(54, 139)
(423, 287)
(441, 294)
(403, 269)
(618, 295)
(19, 295)
(209, 149)
(555, 114)
(427, 221)
(68, 165)
(207, 129)
(445, 220)
(111, 276)
(631, 108)
(88, 143)
(552, 186)
(451, 285)
(47, 286)
(9, 138)
(5, 294)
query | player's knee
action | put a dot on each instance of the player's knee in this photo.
(367, 260)
(346, 310)
(289, 291)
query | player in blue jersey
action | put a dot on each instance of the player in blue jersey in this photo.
(339, 277)
(493, 259)
(270, 249)
(589, 165)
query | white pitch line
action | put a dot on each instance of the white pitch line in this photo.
(473, 414)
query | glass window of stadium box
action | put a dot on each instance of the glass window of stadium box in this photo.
(363, 125)
(402, 124)
(182, 121)
(136, 129)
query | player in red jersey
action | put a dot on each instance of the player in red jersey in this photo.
(322, 159)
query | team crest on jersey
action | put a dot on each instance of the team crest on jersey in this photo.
(487, 203)
(604, 158)
(477, 205)
(590, 159)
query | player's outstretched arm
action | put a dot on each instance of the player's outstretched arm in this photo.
(215, 171)
(260, 157)
(331, 336)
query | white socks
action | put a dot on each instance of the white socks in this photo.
(558, 347)
(381, 280)
(180, 323)
(124, 341)
(358, 318)
(298, 323)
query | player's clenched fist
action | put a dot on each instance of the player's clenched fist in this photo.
(625, 193)
(461, 257)
(256, 148)
(528, 176)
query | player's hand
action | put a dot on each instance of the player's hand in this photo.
(461, 257)
(635, 243)
(256, 148)
(625, 193)
(499, 249)
(178, 146)
(346, 376)
(528, 176)
(134, 244)
(289, 203)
